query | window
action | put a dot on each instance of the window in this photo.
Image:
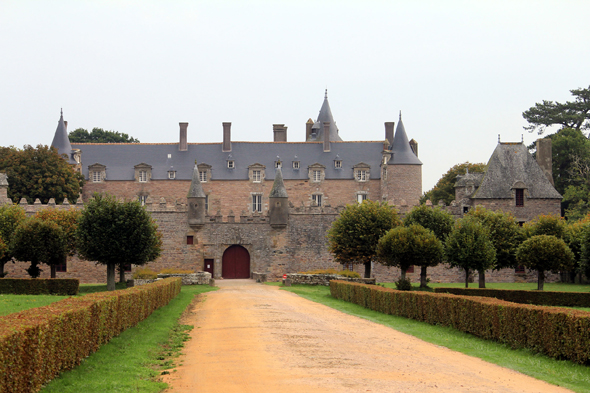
(316, 199)
(127, 268)
(96, 177)
(361, 197)
(361, 175)
(348, 266)
(256, 176)
(465, 209)
(256, 202)
(278, 164)
(142, 176)
(519, 270)
(61, 268)
(142, 199)
(317, 176)
(231, 164)
(410, 269)
(295, 164)
(519, 197)
(171, 174)
(203, 176)
(97, 173)
(189, 240)
(338, 164)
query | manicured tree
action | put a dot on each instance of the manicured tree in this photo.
(469, 247)
(38, 241)
(354, 235)
(545, 252)
(10, 217)
(545, 225)
(439, 221)
(505, 235)
(68, 222)
(404, 246)
(115, 233)
(3, 248)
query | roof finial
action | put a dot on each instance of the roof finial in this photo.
(400, 114)
(521, 138)
(326, 94)
(498, 138)
(61, 111)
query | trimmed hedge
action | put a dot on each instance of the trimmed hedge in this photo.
(545, 298)
(39, 286)
(39, 343)
(559, 333)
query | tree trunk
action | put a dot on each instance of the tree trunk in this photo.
(2, 274)
(423, 283)
(403, 277)
(482, 278)
(541, 280)
(53, 271)
(111, 277)
(122, 274)
(467, 278)
(367, 269)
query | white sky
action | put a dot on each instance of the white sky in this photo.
(461, 72)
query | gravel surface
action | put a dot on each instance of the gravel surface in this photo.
(252, 337)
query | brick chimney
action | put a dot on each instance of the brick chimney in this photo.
(389, 125)
(326, 136)
(226, 137)
(308, 127)
(183, 144)
(66, 124)
(544, 158)
(280, 132)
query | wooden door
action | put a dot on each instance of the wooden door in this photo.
(209, 266)
(235, 263)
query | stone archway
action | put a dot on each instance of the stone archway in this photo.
(235, 263)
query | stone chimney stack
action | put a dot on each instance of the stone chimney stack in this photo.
(66, 124)
(389, 126)
(280, 132)
(226, 136)
(544, 158)
(308, 127)
(3, 188)
(414, 146)
(326, 136)
(183, 144)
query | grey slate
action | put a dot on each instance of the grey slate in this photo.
(511, 163)
(402, 153)
(324, 116)
(278, 187)
(196, 189)
(61, 141)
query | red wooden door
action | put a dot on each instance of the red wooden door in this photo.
(210, 267)
(235, 263)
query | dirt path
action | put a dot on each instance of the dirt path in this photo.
(255, 338)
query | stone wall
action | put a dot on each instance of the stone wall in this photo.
(324, 279)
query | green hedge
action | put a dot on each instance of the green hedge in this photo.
(39, 286)
(546, 298)
(559, 333)
(39, 343)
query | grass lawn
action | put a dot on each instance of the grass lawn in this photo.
(557, 372)
(131, 361)
(528, 286)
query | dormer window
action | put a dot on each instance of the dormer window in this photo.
(519, 194)
(96, 177)
(296, 165)
(142, 176)
(316, 173)
(256, 176)
(203, 176)
(256, 173)
(231, 164)
(143, 172)
(338, 164)
(171, 175)
(362, 172)
(204, 172)
(361, 175)
(97, 173)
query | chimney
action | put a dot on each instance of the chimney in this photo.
(544, 158)
(226, 137)
(414, 146)
(66, 124)
(326, 136)
(182, 144)
(308, 127)
(389, 131)
(280, 132)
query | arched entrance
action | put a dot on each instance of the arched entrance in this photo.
(235, 263)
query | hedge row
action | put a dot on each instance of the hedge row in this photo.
(559, 333)
(546, 298)
(39, 343)
(39, 286)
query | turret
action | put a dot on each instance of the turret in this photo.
(61, 141)
(196, 202)
(278, 202)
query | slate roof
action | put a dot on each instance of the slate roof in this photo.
(325, 115)
(120, 158)
(511, 163)
(402, 153)
(61, 141)
(278, 187)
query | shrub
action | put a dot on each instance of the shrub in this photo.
(40, 286)
(349, 274)
(403, 284)
(145, 274)
(175, 271)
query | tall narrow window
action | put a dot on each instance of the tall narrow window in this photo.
(142, 199)
(203, 176)
(96, 178)
(361, 197)
(206, 203)
(519, 197)
(317, 176)
(256, 176)
(361, 175)
(317, 199)
(256, 202)
(142, 176)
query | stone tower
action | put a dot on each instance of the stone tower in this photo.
(278, 202)
(196, 202)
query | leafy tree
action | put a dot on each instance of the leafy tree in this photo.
(571, 114)
(98, 135)
(405, 246)
(574, 238)
(439, 221)
(545, 224)
(469, 247)
(10, 218)
(116, 233)
(445, 187)
(505, 235)
(3, 248)
(354, 235)
(67, 220)
(38, 241)
(544, 252)
(39, 173)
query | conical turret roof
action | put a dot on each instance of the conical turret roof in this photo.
(278, 187)
(61, 141)
(196, 190)
(401, 149)
(318, 127)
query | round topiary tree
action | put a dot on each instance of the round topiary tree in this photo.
(545, 252)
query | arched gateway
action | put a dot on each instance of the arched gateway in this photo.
(235, 263)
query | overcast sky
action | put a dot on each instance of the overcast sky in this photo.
(461, 72)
